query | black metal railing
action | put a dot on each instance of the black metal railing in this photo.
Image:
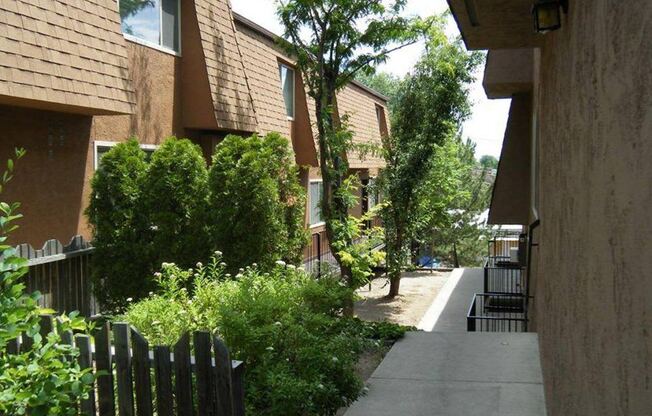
(497, 312)
(501, 275)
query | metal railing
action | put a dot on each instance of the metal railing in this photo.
(501, 275)
(62, 275)
(496, 312)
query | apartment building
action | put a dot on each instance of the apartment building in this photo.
(575, 171)
(78, 76)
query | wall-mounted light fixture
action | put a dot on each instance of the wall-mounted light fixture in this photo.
(547, 14)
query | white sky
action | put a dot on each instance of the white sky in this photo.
(487, 125)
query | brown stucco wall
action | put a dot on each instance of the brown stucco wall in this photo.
(510, 201)
(53, 180)
(594, 286)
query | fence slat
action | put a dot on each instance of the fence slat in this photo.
(223, 381)
(47, 325)
(183, 376)
(142, 374)
(163, 372)
(121, 337)
(238, 390)
(12, 347)
(103, 364)
(204, 373)
(86, 362)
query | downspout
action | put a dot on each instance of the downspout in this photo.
(531, 229)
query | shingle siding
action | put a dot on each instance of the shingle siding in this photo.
(68, 53)
(234, 108)
(261, 60)
(360, 107)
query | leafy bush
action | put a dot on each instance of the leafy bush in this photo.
(120, 266)
(174, 196)
(46, 379)
(257, 204)
(300, 354)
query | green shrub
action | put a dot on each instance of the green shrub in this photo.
(120, 264)
(257, 204)
(300, 354)
(174, 197)
(46, 379)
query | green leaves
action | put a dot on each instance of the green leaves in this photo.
(46, 380)
(300, 354)
(256, 203)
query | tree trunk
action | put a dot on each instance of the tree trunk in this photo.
(332, 210)
(394, 284)
(456, 259)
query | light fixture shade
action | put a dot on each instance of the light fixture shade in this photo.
(547, 15)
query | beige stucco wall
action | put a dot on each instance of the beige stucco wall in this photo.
(594, 282)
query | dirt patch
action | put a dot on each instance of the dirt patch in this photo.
(418, 291)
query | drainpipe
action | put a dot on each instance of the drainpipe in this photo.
(531, 229)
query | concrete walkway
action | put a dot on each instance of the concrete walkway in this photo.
(450, 372)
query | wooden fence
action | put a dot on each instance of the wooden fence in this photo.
(136, 380)
(62, 274)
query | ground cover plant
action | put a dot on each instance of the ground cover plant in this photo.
(300, 353)
(44, 379)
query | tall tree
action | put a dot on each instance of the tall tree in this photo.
(332, 41)
(489, 161)
(458, 234)
(430, 107)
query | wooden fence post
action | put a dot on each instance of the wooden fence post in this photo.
(142, 374)
(238, 390)
(204, 373)
(121, 337)
(163, 372)
(104, 366)
(183, 376)
(86, 362)
(223, 381)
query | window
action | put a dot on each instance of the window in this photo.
(101, 148)
(380, 117)
(287, 84)
(372, 193)
(316, 193)
(152, 22)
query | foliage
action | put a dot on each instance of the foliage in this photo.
(174, 199)
(300, 354)
(488, 161)
(438, 88)
(45, 379)
(120, 266)
(333, 40)
(457, 234)
(384, 83)
(257, 177)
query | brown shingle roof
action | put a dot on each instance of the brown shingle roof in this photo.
(65, 53)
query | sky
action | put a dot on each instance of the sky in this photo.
(486, 127)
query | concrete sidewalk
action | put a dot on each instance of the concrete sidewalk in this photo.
(450, 372)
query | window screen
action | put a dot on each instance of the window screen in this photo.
(287, 84)
(315, 200)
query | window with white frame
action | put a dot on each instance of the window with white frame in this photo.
(316, 194)
(152, 22)
(102, 148)
(287, 85)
